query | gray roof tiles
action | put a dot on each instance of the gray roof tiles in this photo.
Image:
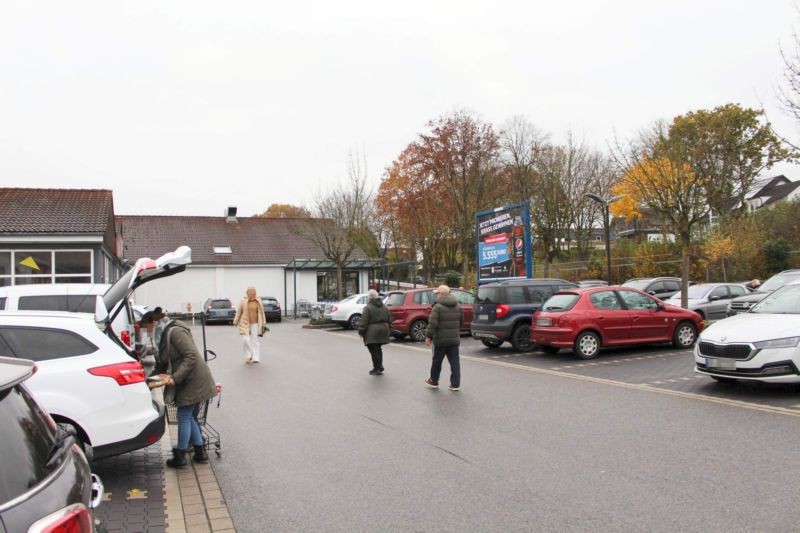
(252, 240)
(49, 211)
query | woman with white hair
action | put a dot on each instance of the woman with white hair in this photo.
(251, 321)
(374, 329)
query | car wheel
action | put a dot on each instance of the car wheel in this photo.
(417, 330)
(490, 343)
(79, 438)
(354, 320)
(521, 338)
(685, 335)
(552, 350)
(587, 345)
(727, 381)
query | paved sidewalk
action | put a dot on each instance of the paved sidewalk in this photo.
(142, 495)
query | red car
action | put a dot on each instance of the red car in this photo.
(587, 320)
(410, 311)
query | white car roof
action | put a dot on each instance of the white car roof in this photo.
(45, 316)
(55, 288)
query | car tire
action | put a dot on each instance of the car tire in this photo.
(354, 320)
(417, 330)
(587, 345)
(79, 438)
(551, 350)
(685, 335)
(491, 344)
(521, 338)
(720, 379)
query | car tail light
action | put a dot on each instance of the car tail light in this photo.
(501, 310)
(74, 518)
(122, 373)
(125, 336)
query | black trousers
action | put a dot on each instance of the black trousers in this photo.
(376, 351)
(451, 352)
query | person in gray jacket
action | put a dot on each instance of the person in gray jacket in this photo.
(374, 329)
(444, 332)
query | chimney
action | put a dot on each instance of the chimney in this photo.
(230, 215)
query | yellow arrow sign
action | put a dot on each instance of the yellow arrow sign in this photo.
(29, 262)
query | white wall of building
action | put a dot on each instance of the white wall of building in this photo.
(198, 283)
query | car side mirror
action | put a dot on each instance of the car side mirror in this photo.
(651, 293)
(660, 306)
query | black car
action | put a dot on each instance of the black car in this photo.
(503, 310)
(661, 288)
(46, 481)
(219, 310)
(272, 309)
(742, 304)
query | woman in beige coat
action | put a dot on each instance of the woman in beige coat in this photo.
(251, 321)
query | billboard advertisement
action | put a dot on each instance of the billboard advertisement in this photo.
(504, 248)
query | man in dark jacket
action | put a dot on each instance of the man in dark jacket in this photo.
(444, 332)
(374, 329)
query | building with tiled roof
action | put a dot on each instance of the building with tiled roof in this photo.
(230, 253)
(57, 236)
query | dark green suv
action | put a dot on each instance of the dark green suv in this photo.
(503, 310)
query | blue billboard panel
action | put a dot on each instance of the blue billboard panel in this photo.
(503, 243)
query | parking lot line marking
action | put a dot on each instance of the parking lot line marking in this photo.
(643, 387)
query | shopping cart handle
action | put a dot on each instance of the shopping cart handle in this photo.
(210, 355)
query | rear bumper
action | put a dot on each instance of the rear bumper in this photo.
(150, 434)
(560, 337)
(497, 332)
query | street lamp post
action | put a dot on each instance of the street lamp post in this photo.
(606, 226)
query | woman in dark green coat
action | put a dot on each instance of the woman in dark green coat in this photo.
(374, 329)
(181, 365)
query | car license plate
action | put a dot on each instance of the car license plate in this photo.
(483, 317)
(721, 364)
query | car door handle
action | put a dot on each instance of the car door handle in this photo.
(635, 318)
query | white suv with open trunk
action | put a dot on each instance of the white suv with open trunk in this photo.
(86, 378)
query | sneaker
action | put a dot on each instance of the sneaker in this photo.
(248, 360)
(430, 383)
(452, 388)
(374, 372)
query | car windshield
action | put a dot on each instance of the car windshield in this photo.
(560, 302)
(784, 301)
(640, 284)
(488, 295)
(695, 292)
(777, 281)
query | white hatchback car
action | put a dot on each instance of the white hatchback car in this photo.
(86, 376)
(347, 312)
(762, 344)
(84, 380)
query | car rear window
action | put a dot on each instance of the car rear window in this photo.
(489, 295)
(41, 344)
(395, 298)
(59, 302)
(27, 441)
(221, 304)
(271, 301)
(560, 302)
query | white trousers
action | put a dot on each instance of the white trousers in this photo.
(252, 348)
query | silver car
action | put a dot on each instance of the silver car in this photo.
(710, 300)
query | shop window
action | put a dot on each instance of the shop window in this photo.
(45, 266)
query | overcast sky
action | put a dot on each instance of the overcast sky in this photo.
(186, 107)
